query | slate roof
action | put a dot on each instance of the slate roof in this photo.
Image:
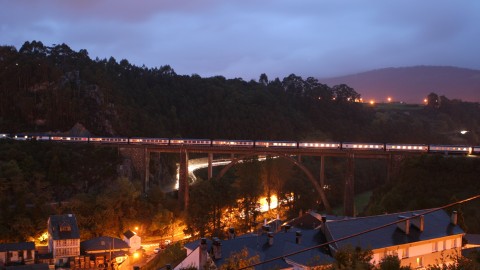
(283, 243)
(129, 234)
(60, 220)
(103, 243)
(309, 220)
(436, 224)
(17, 246)
(4, 247)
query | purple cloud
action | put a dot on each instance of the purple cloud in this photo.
(245, 38)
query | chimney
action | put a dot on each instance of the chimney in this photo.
(324, 219)
(324, 224)
(418, 221)
(404, 225)
(454, 218)
(231, 233)
(286, 227)
(270, 238)
(203, 253)
(298, 237)
(217, 248)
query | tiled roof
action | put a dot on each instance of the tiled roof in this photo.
(103, 243)
(436, 224)
(17, 246)
(283, 243)
(58, 221)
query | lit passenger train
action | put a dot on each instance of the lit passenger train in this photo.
(388, 147)
(233, 143)
(406, 147)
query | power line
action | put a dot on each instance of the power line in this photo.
(362, 232)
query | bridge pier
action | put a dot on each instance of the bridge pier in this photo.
(322, 172)
(210, 170)
(393, 165)
(349, 191)
(183, 195)
(146, 183)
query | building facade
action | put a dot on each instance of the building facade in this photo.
(418, 238)
(63, 238)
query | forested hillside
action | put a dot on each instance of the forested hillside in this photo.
(47, 89)
(429, 182)
(50, 89)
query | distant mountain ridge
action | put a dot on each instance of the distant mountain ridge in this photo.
(413, 84)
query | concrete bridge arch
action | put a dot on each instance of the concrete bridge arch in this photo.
(307, 172)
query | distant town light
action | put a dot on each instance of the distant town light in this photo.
(372, 102)
(425, 101)
(389, 99)
(463, 132)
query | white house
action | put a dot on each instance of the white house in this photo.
(133, 240)
(15, 253)
(422, 237)
(63, 238)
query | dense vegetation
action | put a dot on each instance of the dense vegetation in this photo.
(51, 89)
(48, 89)
(432, 181)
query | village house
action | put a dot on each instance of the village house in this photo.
(63, 238)
(133, 240)
(104, 250)
(422, 237)
(17, 253)
(264, 246)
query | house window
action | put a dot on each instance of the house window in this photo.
(434, 246)
(405, 254)
(419, 261)
(65, 228)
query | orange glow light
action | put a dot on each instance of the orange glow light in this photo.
(372, 102)
(425, 101)
(389, 99)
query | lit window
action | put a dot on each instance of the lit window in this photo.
(419, 261)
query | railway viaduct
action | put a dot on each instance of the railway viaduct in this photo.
(140, 156)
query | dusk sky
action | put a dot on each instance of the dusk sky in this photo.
(244, 38)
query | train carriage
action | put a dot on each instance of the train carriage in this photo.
(154, 141)
(233, 143)
(276, 144)
(69, 139)
(406, 147)
(364, 146)
(21, 137)
(319, 145)
(41, 138)
(450, 149)
(200, 142)
(112, 140)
